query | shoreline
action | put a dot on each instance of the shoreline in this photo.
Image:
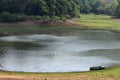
(23, 28)
(20, 72)
(2, 34)
(107, 74)
(38, 27)
(106, 68)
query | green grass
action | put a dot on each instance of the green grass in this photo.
(93, 16)
(107, 74)
(103, 22)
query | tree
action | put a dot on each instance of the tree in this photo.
(58, 8)
(118, 10)
(36, 7)
(7, 17)
(110, 8)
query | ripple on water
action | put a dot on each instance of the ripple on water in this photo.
(73, 51)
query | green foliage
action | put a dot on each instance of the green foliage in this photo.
(45, 18)
(38, 9)
(33, 18)
(110, 7)
(63, 18)
(7, 17)
(21, 17)
(117, 13)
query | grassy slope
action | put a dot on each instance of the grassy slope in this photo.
(102, 22)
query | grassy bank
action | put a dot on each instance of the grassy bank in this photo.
(97, 22)
(108, 74)
(36, 27)
(89, 21)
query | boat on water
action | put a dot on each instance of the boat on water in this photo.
(97, 68)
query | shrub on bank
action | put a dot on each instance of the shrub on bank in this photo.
(21, 18)
(8, 17)
(33, 18)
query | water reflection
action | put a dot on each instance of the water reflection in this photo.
(20, 45)
(107, 53)
(59, 51)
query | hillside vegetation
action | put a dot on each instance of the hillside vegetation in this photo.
(87, 21)
(24, 10)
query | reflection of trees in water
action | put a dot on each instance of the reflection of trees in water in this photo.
(113, 54)
(24, 49)
(21, 45)
(2, 52)
(19, 49)
(47, 54)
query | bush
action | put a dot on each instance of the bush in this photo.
(31, 18)
(34, 18)
(67, 17)
(78, 16)
(55, 18)
(7, 17)
(63, 18)
(45, 18)
(22, 18)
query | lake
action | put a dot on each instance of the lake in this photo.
(59, 51)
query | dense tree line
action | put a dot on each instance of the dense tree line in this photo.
(39, 7)
(89, 6)
(54, 9)
(109, 7)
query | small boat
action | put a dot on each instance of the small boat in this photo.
(97, 68)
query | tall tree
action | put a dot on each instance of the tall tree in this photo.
(110, 8)
(118, 9)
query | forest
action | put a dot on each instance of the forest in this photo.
(22, 10)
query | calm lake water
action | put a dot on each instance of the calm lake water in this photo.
(59, 51)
